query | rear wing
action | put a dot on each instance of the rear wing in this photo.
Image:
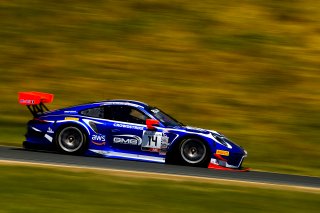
(35, 101)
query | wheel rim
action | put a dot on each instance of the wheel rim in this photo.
(193, 151)
(70, 139)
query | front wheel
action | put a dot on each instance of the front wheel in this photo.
(194, 152)
(71, 140)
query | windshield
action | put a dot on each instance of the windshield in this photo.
(164, 118)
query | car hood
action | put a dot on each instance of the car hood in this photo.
(193, 129)
(222, 141)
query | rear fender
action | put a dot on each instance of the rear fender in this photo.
(64, 123)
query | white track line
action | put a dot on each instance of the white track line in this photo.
(156, 175)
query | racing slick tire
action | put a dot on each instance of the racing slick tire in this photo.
(71, 140)
(194, 152)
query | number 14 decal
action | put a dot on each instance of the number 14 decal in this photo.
(151, 141)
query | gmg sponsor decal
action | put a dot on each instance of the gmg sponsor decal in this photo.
(127, 139)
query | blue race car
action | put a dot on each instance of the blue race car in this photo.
(126, 129)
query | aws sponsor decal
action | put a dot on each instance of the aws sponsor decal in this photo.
(98, 140)
(127, 139)
(222, 152)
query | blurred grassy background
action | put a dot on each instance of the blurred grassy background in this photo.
(249, 69)
(32, 189)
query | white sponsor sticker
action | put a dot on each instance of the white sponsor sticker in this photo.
(50, 130)
(128, 126)
(154, 141)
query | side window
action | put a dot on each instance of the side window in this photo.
(125, 114)
(97, 112)
(108, 112)
(138, 116)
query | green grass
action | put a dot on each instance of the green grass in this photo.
(34, 189)
(248, 69)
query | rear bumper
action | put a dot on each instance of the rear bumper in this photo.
(37, 146)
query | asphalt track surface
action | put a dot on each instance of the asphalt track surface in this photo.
(45, 157)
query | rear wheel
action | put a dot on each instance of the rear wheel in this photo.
(71, 140)
(194, 152)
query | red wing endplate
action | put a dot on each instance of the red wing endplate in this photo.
(34, 98)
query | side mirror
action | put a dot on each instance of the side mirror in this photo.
(151, 124)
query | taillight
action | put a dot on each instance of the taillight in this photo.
(38, 120)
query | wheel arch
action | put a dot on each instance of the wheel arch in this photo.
(76, 124)
(175, 146)
(188, 136)
(83, 129)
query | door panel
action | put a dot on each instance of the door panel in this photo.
(126, 137)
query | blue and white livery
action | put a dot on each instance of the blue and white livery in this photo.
(126, 129)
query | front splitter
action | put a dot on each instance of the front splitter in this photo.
(217, 167)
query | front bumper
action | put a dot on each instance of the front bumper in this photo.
(218, 167)
(232, 162)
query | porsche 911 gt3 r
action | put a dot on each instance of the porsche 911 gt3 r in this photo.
(126, 129)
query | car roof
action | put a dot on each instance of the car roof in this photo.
(106, 102)
(124, 101)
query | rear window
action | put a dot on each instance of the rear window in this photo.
(97, 112)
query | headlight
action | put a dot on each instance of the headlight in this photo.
(220, 139)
